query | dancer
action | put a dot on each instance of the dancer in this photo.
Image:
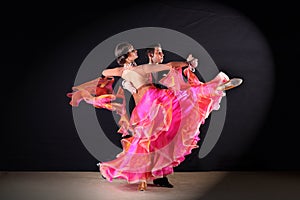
(155, 55)
(160, 122)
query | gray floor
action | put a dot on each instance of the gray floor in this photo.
(211, 185)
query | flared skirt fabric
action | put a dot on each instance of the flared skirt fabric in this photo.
(165, 127)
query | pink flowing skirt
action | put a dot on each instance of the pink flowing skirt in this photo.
(165, 127)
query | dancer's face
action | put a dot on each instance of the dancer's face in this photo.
(158, 55)
(132, 55)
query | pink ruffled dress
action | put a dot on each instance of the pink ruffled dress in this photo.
(165, 125)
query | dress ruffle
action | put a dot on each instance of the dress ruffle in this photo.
(164, 124)
(163, 132)
(98, 92)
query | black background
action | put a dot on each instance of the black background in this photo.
(42, 52)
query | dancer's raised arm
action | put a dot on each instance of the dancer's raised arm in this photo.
(149, 68)
(113, 72)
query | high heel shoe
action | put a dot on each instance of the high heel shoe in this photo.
(142, 186)
(232, 83)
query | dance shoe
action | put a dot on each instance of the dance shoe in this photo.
(142, 186)
(162, 182)
(232, 83)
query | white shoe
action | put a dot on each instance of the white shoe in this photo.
(232, 83)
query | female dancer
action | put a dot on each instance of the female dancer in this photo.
(161, 121)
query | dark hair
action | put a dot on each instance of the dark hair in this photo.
(121, 60)
(150, 49)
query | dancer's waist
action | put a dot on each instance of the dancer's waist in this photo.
(145, 86)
